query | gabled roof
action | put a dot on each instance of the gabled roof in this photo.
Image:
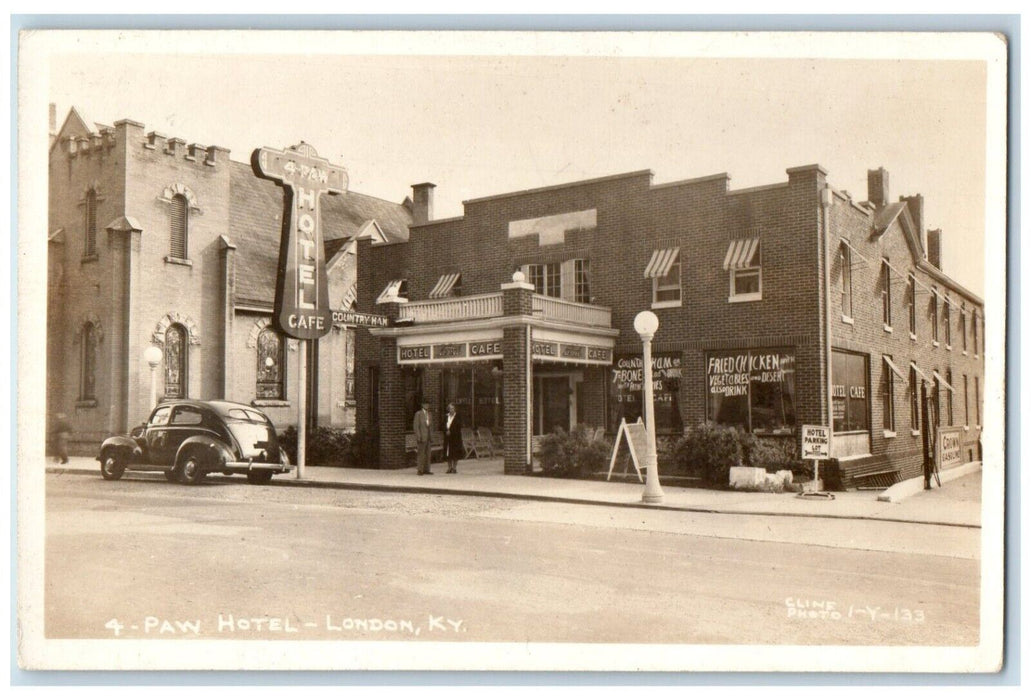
(255, 227)
(74, 125)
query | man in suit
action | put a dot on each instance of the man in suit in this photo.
(421, 428)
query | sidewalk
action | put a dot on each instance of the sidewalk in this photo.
(905, 502)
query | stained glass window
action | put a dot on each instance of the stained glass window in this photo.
(270, 365)
(175, 362)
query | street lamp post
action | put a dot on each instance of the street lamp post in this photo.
(646, 323)
(153, 357)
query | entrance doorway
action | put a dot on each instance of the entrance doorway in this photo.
(554, 402)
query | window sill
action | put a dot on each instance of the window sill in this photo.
(269, 403)
(890, 434)
(89, 258)
(86, 403)
(888, 329)
(667, 304)
(848, 319)
(744, 297)
(912, 336)
(948, 347)
(935, 344)
(914, 433)
(966, 427)
(178, 261)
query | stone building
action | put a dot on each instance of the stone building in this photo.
(154, 241)
(779, 306)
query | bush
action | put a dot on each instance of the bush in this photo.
(325, 447)
(709, 450)
(574, 454)
(773, 454)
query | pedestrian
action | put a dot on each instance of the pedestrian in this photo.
(62, 433)
(421, 427)
(453, 446)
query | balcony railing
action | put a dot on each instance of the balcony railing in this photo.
(453, 309)
(490, 306)
(571, 311)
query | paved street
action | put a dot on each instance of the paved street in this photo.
(142, 558)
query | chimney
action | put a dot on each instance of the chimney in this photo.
(877, 187)
(916, 211)
(934, 248)
(422, 204)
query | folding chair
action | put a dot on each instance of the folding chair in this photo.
(485, 441)
(469, 442)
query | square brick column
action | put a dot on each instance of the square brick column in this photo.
(518, 387)
(392, 426)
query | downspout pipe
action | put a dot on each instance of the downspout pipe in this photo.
(827, 201)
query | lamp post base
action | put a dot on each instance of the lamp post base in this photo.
(653, 495)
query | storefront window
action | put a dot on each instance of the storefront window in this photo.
(627, 387)
(752, 389)
(850, 377)
(412, 378)
(477, 395)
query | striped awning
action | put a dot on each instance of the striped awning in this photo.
(941, 380)
(741, 254)
(894, 369)
(916, 369)
(661, 262)
(444, 285)
(390, 293)
(350, 296)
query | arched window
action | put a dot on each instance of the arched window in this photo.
(270, 365)
(90, 243)
(179, 227)
(88, 364)
(176, 343)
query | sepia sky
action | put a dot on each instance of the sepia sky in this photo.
(482, 121)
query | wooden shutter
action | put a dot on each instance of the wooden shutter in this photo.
(178, 232)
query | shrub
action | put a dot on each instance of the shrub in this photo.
(773, 454)
(325, 447)
(709, 450)
(573, 454)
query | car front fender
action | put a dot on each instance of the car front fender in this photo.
(122, 444)
(214, 450)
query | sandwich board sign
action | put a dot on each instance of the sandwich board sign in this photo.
(636, 440)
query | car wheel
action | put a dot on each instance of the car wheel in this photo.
(259, 477)
(112, 467)
(172, 475)
(191, 470)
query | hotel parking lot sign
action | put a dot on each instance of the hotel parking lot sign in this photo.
(816, 442)
(302, 298)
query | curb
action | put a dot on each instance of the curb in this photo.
(443, 491)
(911, 487)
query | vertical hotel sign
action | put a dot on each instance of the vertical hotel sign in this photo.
(302, 295)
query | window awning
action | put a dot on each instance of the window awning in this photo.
(896, 370)
(941, 380)
(916, 369)
(444, 285)
(390, 293)
(741, 254)
(350, 296)
(661, 262)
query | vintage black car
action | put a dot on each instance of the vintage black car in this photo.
(189, 439)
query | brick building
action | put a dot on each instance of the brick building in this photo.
(157, 242)
(521, 312)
